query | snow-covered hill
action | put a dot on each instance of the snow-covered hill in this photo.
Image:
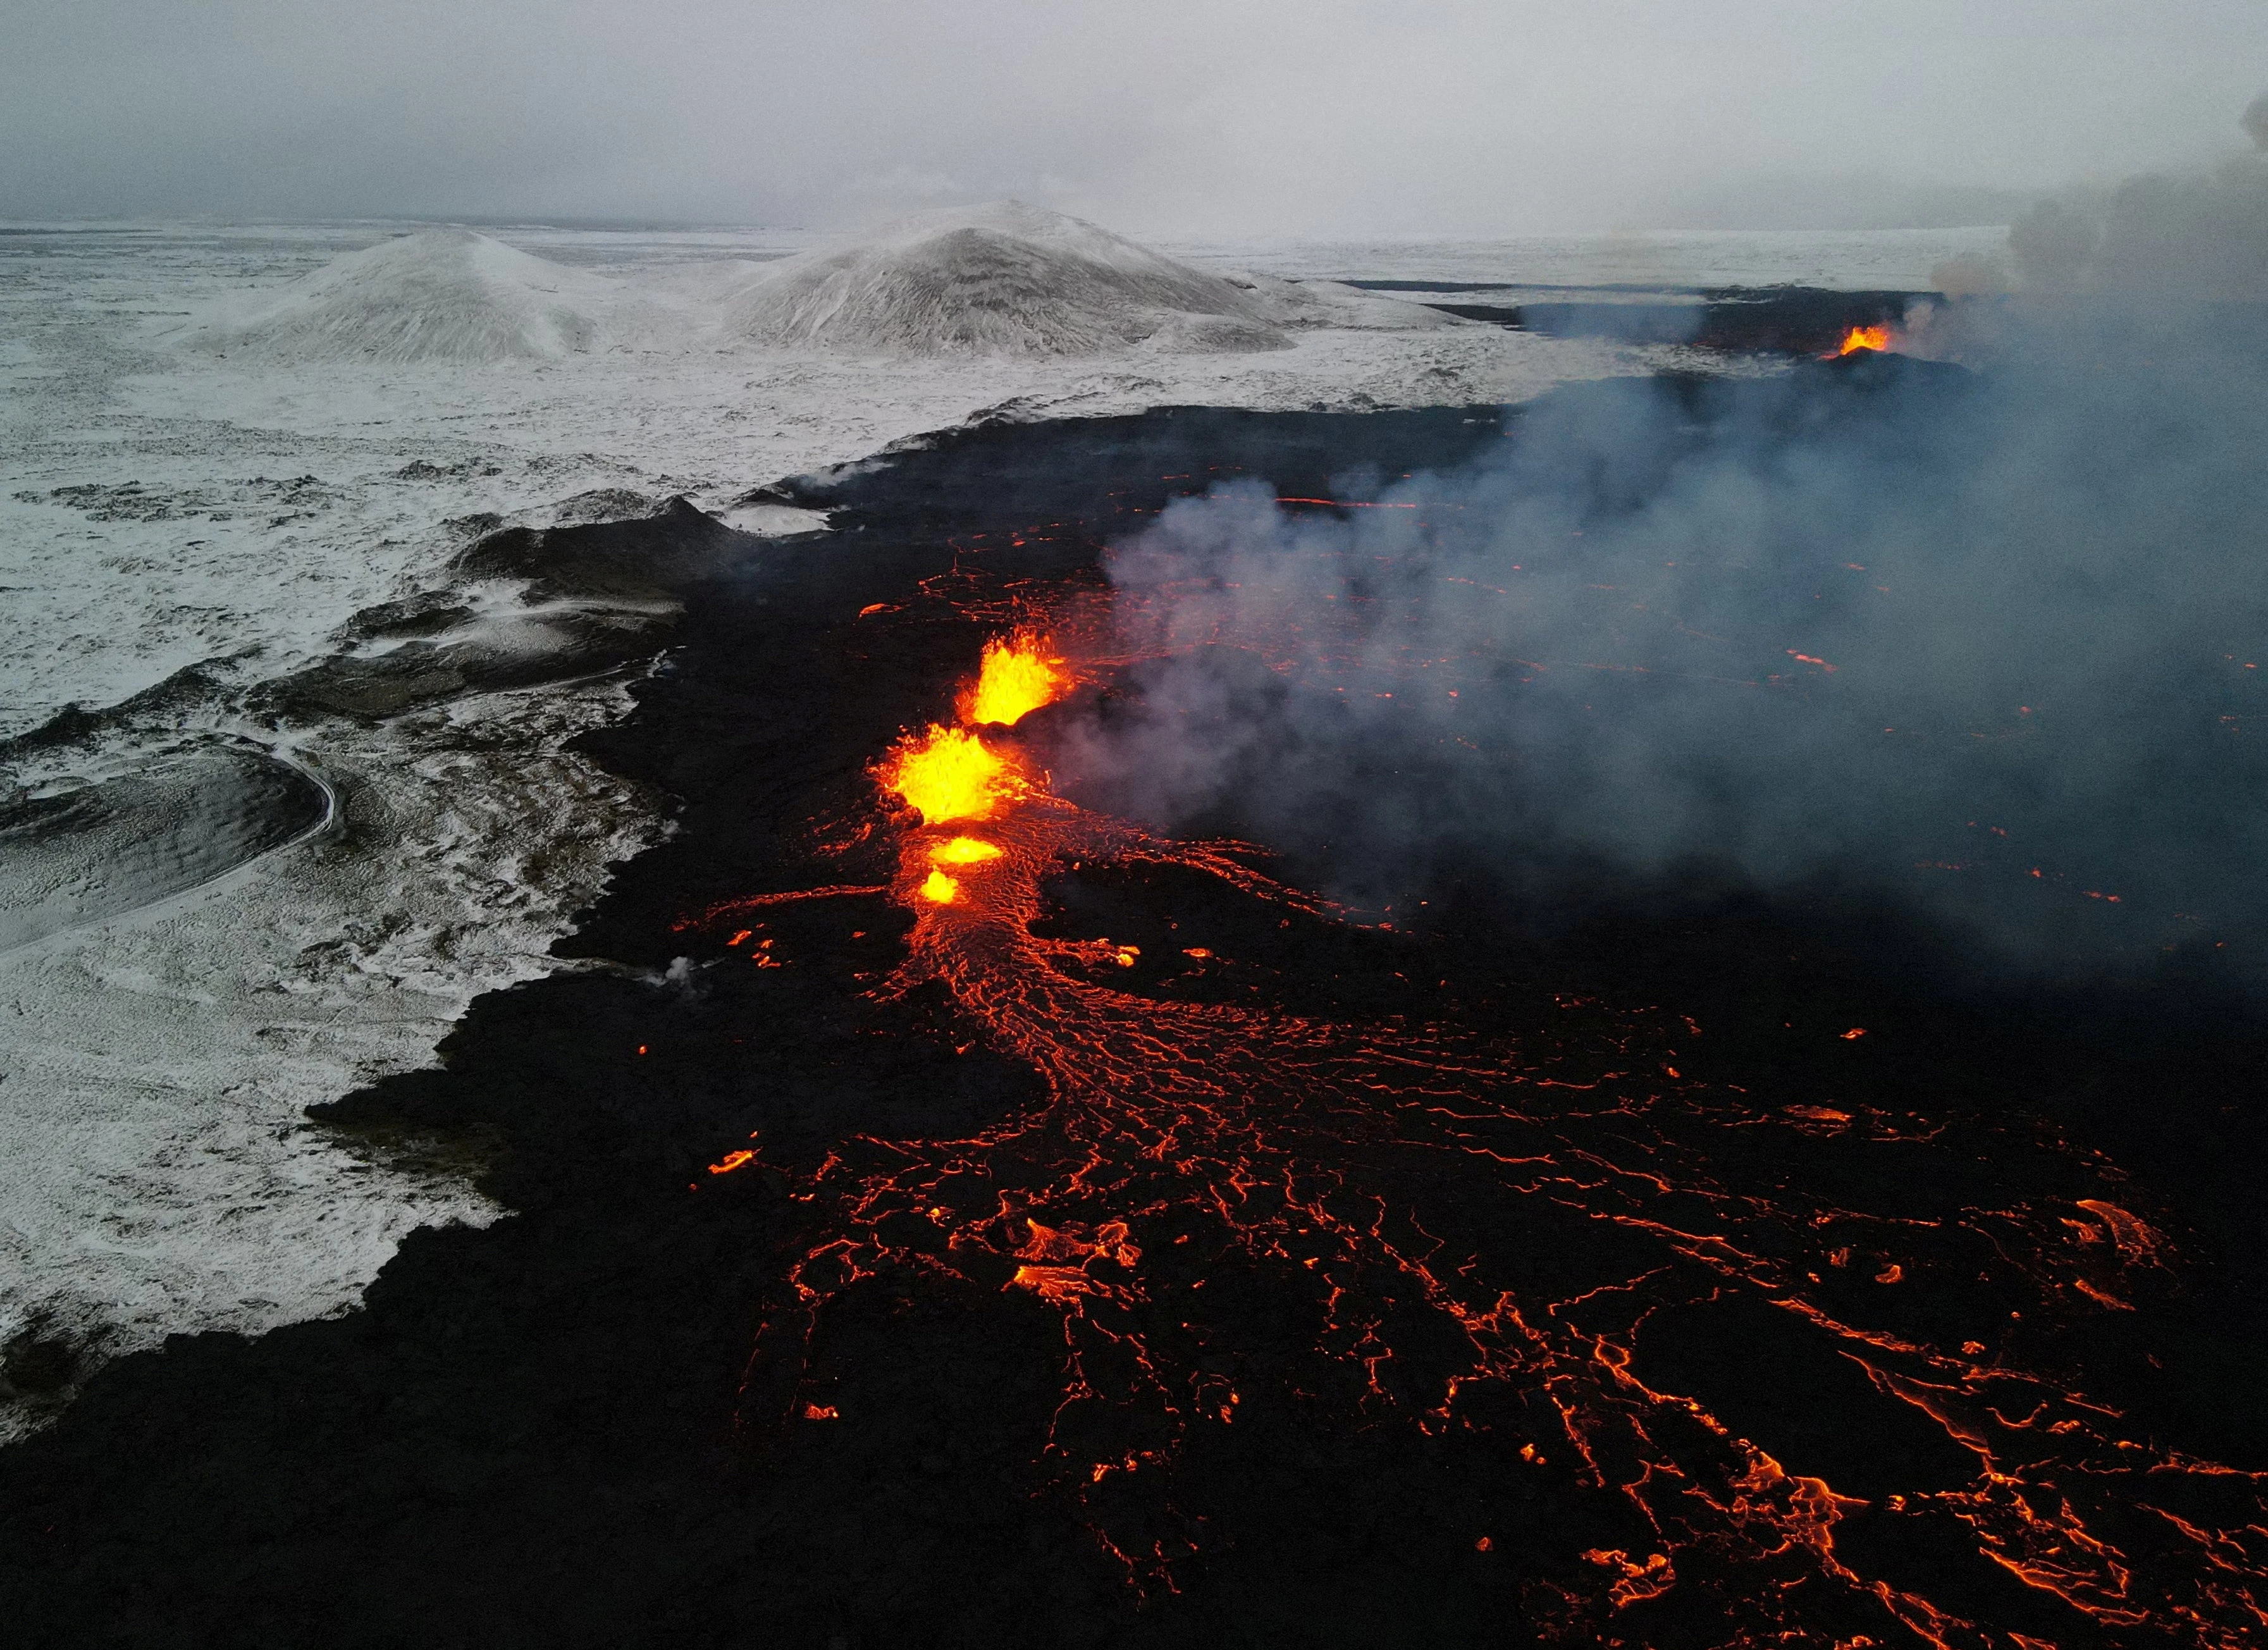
(437, 295)
(1003, 279)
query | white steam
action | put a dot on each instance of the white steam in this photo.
(1990, 646)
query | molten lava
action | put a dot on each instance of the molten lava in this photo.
(1016, 676)
(1349, 1177)
(963, 851)
(1875, 337)
(949, 773)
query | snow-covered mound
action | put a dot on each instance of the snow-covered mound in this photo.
(437, 295)
(119, 846)
(1004, 279)
(1319, 304)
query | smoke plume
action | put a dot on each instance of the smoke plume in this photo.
(1979, 644)
(2197, 237)
(2255, 121)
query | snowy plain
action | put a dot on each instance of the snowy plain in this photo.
(182, 521)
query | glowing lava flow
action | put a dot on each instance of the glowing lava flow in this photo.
(1875, 337)
(1184, 1144)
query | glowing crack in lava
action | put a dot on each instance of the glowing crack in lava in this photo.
(1875, 337)
(1482, 1245)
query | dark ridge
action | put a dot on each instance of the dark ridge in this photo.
(621, 580)
(1524, 286)
(1802, 320)
(75, 724)
(647, 558)
(964, 481)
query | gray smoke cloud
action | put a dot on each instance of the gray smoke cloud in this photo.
(2196, 235)
(2255, 121)
(1980, 645)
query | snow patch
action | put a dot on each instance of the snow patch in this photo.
(83, 852)
(769, 520)
(159, 1174)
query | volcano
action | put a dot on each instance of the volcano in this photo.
(950, 1211)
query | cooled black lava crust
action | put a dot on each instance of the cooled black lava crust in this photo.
(530, 1434)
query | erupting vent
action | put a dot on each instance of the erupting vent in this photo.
(1016, 676)
(1875, 337)
(1475, 1243)
(948, 774)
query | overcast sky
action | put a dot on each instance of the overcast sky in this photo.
(1201, 117)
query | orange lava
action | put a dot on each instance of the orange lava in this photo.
(1876, 337)
(1058, 1263)
(948, 773)
(1186, 1143)
(1015, 677)
(963, 851)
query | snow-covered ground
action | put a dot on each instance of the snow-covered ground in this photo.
(208, 470)
(1848, 260)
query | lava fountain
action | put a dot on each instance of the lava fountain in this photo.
(1875, 337)
(1016, 675)
(1363, 1178)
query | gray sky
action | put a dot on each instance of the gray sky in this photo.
(1204, 117)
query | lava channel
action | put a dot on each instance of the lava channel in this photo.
(1342, 1166)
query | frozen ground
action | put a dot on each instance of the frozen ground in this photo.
(179, 525)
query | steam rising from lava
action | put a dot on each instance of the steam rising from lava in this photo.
(1990, 648)
(1989, 645)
